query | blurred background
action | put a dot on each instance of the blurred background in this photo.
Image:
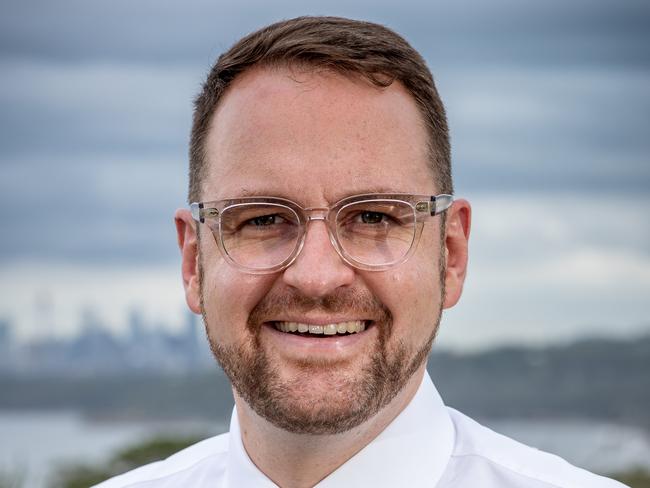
(549, 109)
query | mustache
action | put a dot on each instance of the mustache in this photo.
(346, 301)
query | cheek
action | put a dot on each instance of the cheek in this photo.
(228, 298)
(413, 295)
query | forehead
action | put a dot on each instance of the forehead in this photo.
(315, 137)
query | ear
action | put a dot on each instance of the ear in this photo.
(188, 245)
(459, 217)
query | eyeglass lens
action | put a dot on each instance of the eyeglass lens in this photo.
(376, 232)
(372, 232)
(259, 235)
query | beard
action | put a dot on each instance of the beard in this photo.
(349, 399)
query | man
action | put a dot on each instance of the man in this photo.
(321, 246)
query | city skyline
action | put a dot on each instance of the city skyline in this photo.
(94, 348)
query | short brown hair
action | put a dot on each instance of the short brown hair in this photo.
(350, 47)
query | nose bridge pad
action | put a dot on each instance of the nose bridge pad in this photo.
(316, 213)
(322, 213)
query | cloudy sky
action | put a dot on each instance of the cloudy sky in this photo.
(549, 107)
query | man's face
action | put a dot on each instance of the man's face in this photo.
(315, 138)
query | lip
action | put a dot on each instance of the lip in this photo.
(322, 347)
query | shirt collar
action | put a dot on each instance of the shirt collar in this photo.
(412, 451)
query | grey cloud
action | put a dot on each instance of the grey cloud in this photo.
(517, 230)
(550, 130)
(195, 31)
(117, 211)
(95, 106)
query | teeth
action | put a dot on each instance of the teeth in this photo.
(315, 329)
(329, 329)
(352, 327)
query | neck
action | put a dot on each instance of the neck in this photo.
(302, 460)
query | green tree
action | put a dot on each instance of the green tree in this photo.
(83, 476)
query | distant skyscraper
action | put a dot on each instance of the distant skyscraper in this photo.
(137, 328)
(6, 344)
(5, 333)
(90, 320)
(44, 314)
(191, 340)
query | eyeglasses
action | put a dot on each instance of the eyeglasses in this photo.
(373, 232)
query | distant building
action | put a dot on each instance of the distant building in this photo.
(6, 344)
(146, 348)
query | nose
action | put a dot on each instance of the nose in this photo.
(318, 270)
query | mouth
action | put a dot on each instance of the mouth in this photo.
(322, 330)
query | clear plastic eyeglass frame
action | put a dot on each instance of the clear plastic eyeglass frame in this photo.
(424, 207)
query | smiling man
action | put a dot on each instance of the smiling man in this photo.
(321, 246)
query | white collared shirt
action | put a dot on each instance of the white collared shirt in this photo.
(427, 445)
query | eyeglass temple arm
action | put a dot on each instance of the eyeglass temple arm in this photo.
(199, 213)
(437, 204)
(195, 209)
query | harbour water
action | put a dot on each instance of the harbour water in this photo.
(602, 447)
(35, 444)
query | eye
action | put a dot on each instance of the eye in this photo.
(368, 217)
(266, 220)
